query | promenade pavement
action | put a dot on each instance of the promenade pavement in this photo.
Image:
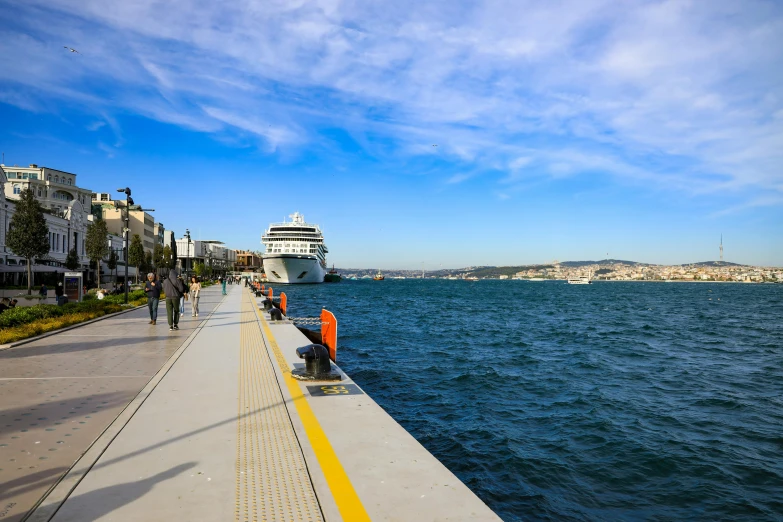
(58, 394)
(224, 432)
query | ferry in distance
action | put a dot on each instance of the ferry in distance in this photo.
(581, 280)
(295, 252)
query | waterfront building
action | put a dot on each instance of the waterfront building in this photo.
(248, 261)
(66, 219)
(107, 276)
(139, 222)
(160, 234)
(54, 189)
(211, 253)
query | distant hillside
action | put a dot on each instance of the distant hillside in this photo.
(602, 262)
(713, 263)
(496, 271)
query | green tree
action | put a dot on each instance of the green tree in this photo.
(97, 245)
(157, 255)
(148, 266)
(112, 262)
(199, 269)
(173, 251)
(28, 234)
(136, 254)
(167, 257)
(72, 261)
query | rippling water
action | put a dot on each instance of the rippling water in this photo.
(614, 401)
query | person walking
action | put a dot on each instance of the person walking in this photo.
(43, 292)
(184, 295)
(174, 290)
(59, 292)
(195, 291)
(222, 284)
(152, 289)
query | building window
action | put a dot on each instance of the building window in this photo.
(49, 178)
(39, 192)
(57, 179)
(69, 181)
(17, 189)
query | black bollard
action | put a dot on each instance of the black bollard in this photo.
(275, 314)
(317, 364)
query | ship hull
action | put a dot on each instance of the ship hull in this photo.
(293, 269)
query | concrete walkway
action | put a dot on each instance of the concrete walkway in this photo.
(58, 394)
(223, 432)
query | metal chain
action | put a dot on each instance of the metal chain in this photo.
(306, 320)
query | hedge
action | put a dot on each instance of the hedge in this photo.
(22, 322)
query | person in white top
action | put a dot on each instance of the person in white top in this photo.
(195, 290)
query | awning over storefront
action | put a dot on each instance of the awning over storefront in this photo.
(22, 269)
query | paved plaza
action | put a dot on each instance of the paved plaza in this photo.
(58, 394)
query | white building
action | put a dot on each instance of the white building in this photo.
(211, 253)
(66, 215)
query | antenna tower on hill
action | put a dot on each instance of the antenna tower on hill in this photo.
(721, 248)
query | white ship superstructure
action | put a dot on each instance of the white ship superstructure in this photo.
(295, 252)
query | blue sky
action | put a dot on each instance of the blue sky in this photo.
(565, 130)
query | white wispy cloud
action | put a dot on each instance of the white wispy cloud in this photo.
(675, 94)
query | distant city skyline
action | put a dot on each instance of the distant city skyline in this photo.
(418, 136)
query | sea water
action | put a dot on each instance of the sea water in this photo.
(613, 401)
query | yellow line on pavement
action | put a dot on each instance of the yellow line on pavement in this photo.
(344, 494)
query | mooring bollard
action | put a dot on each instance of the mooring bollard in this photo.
(317, 364)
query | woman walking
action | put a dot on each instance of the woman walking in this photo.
(195, 290)
(223, 284)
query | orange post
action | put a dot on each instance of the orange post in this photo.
(283, 302)
(329, 332)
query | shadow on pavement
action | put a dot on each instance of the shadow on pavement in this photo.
(58, 412)
(31, 350)
(101, 502)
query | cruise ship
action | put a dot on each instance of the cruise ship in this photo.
(295, 252)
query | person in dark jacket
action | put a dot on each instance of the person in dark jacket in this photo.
(174, 289)
(59, 293)
(152, 289)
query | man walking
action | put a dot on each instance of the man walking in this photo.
(174, 289)
(152, 289)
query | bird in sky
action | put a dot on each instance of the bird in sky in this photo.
(71, 49)
(434, 145)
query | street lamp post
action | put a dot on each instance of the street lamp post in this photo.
(125, 230)
(190, 262)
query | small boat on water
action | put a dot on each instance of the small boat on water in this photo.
(378, 277)
(332, 276)
(581, 280)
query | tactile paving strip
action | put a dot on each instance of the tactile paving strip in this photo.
(272, 478)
